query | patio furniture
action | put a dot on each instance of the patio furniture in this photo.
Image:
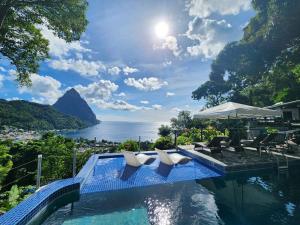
(292, 146)
(255, 143)
(137, 160)
(232, 110)
(270, 142)
(173, 158)
(212, 147)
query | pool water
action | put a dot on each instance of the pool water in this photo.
(112, 173)
(264, 198)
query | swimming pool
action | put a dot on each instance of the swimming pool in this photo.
(112, 173)
(256, 198)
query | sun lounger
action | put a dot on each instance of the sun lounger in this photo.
(172, 159)
(137, 160)
(212, 147)
(292, 146)
(255, 143)
(213, 143)
(271, 141)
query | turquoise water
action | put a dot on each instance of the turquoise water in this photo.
(117, 131)
(264, 198)
(131, 217)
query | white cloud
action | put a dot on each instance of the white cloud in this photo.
(2, 69)
(118, 105)
(156, 106)
(114, 70)
(44, 88)
(167, 63)
(100, 94)
(144, 102)
(169, 42)
(59, 47)
(13, 99)
(101, 90)
(122, 94)
(175, 109)
(211, 35)
(146, 84)
(83, 67)
(204, 8)
(128, 70)
(169, 94)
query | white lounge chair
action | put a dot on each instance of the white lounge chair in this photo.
(137, 160)
(173, 158)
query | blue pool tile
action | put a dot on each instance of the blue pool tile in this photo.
(27, 209)
(113, 174)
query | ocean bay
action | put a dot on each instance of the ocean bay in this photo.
(117, 131)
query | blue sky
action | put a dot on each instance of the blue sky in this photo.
(126, 66)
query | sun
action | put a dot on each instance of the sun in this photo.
(162, 29)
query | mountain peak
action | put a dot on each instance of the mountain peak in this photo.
(73, 104)
(72, 91)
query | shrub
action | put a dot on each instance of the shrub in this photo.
(146, 146)
(195, 135)
(164, 130)
(183, 140)
(211, 132)
(129, 145)
(164, 143)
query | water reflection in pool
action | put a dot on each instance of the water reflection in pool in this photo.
(249, 199)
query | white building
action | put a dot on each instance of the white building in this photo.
(290, 110)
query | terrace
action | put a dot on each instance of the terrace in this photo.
(109, 174)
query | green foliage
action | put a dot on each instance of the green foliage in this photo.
(195, 135)
(146, 146)
(129, 145)
(263, 67)
(183, 121)
(271, 130)
(14, 196)
(82, 158)
(33, 116)
(164, 130)
(57, 154)
(5, 162)
(57, 157)
(21, 40)
(183, 140)
(164, 143)
(211, 132)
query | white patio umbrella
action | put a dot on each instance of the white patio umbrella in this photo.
(232, 110)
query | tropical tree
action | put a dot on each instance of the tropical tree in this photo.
(164, 130)
(164, 143)
(183, 121)
(21, 41)
(129, 145)
(5, 162)
(263, 67)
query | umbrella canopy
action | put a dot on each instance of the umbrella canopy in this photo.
(235, 110)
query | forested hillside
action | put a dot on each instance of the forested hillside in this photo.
(33, 116)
